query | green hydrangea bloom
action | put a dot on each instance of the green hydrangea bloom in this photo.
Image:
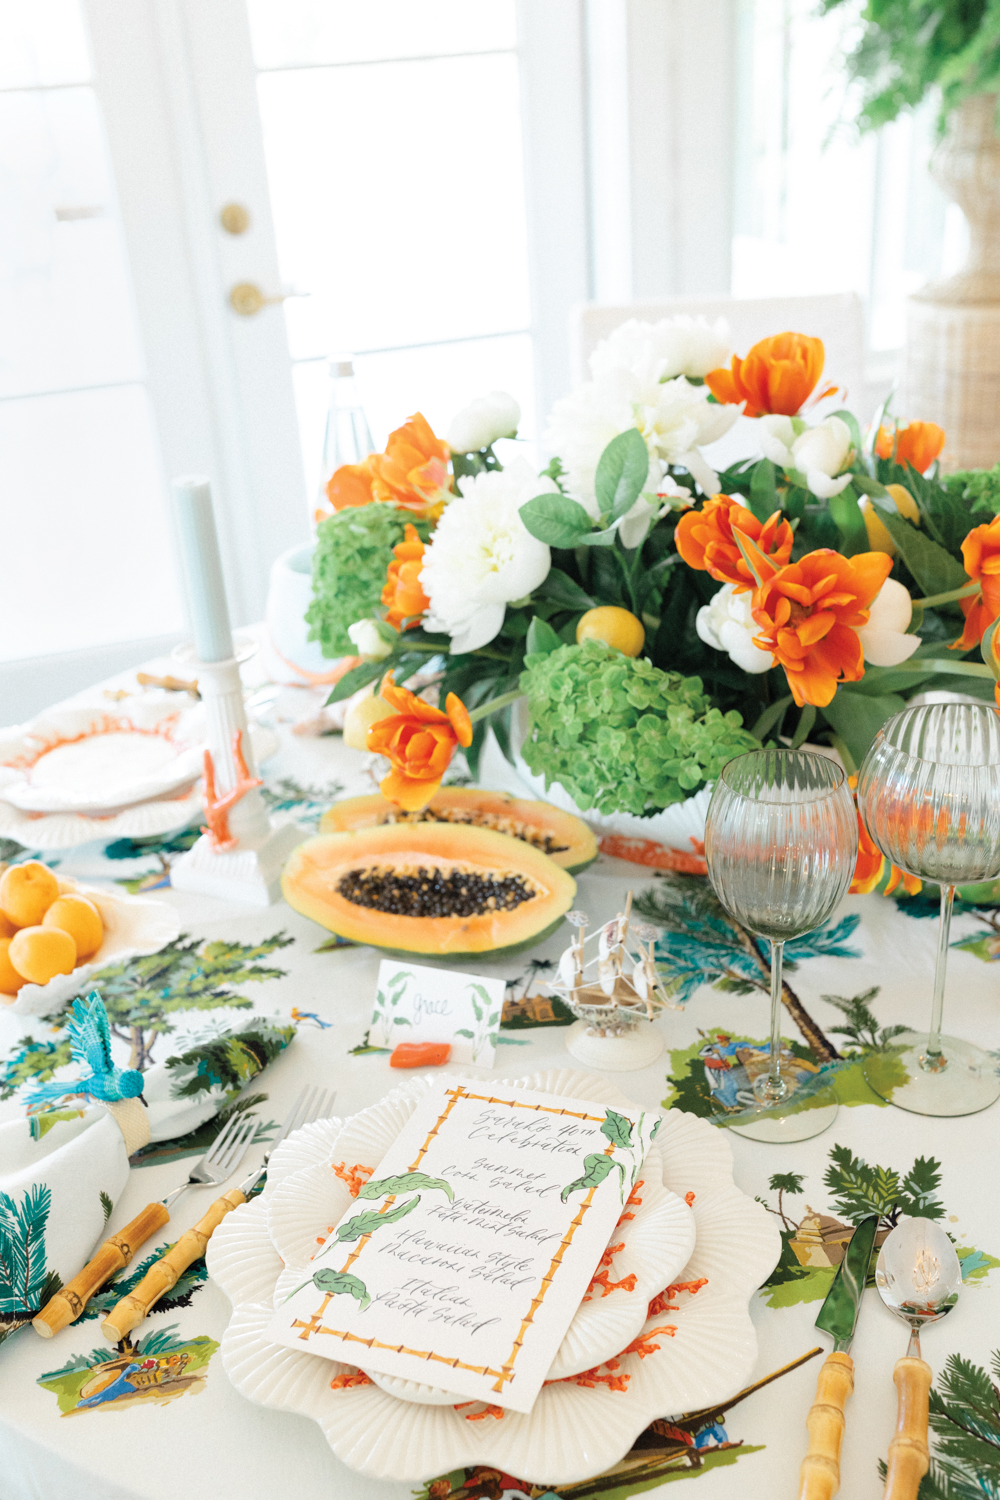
(979, 488)
(353, 551)
(620, 734)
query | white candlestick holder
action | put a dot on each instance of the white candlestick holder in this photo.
(247, 867)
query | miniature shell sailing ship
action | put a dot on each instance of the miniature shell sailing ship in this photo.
(615, 992)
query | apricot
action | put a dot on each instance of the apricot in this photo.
(616, 627)
(7, 927)
(10, 980)
(67, 885)
(81, 919)
(40, 953)
(26, 892)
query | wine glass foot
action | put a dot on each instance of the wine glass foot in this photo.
(965, 1081)
(788, 1122)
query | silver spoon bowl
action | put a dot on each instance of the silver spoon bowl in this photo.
(918, 1276)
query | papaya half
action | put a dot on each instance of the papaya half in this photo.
(560, 835)
(439, 889)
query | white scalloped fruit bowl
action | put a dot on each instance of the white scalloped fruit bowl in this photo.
(697, 1351)
(133, 925)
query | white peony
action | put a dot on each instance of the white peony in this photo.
(481, 556)
(675, 419)
(675, 346)
(884, 639)
(727, 624)
(819, 452)
(637, 521)
(367, 640)
(482, 422)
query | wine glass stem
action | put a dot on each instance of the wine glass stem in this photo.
(776, 1087)
(934, 1060)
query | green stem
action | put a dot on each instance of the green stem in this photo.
(495, 704)
(950, 596)
(962, 668)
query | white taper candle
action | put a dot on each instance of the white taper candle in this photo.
(202, 568)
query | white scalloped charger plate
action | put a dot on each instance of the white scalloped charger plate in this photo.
(657, 1238)
(133, 925)
(574, 1430)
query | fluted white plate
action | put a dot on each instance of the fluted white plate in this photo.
(574, 1430)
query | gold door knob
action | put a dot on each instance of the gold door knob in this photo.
(234, 218)
(248, 299)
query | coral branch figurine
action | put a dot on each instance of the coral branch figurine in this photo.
(217, 806)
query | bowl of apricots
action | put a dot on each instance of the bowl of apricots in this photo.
(55, 934)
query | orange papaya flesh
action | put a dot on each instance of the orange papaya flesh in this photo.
(433, 888)
(563, 837)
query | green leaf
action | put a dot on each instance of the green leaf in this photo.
(850, 522)
(107, 1204)
(596, 1168)
(617, 1128)
(771, 716)
(556, 520)
(541, 638)
(464, 1032)
(561, 589)
(367, 1223)
(935, 570)
(604, 538)
(858, 717)
(334, 1282)
(851, 421)
(872, 487)
(807, 719)
(406, 1181)
(621, 473)
(358, 677)
(764, 490)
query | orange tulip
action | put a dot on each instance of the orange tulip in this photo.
(981, 555)
(809, 613)
(776, 377)
(403, 595)
(705, 540)
(871, 861)
(351, 485)
(413, 470)
(420, 741)
(918, 444)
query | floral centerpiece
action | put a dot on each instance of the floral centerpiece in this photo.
(658, 615)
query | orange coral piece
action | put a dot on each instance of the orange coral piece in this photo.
(347, 1382)
(706, 542)
(420, 741)
(217, 809)
(777, 376)
(642, 1345)
(355, 1176)
(809, 613)
(420, 1054)
(689, 1199)
(403, 596)
(489, 1410)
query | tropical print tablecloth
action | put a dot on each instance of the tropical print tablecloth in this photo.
(169, 1422)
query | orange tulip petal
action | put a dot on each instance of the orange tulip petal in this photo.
(460, 721)
(409, 794)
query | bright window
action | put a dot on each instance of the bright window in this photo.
(819, 209)
(393, 144)
(87, 558)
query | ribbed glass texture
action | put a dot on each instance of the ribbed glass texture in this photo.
(929, 792)
(781, 840)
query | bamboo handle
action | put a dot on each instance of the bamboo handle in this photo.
(163, 1274)
(908, 1456)
(67, 1304)
(819, 1476)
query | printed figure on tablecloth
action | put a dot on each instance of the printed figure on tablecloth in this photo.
(731, 1065)
(157, 1369)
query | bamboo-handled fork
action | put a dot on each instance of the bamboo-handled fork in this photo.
(219, 1162)
(312, 1104)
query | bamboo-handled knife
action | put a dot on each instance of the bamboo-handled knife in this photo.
(819, 1476)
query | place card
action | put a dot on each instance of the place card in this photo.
(417, 1003)
(464, 1258)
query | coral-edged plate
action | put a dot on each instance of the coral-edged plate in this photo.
(696, 1349)
(133, 925)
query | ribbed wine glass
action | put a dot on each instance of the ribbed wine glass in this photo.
(929, 791)
(781, 844)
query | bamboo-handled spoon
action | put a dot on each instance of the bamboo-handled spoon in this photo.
(919, 1277)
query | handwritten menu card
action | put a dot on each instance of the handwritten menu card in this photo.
(465, 1256)
(416, 1003)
